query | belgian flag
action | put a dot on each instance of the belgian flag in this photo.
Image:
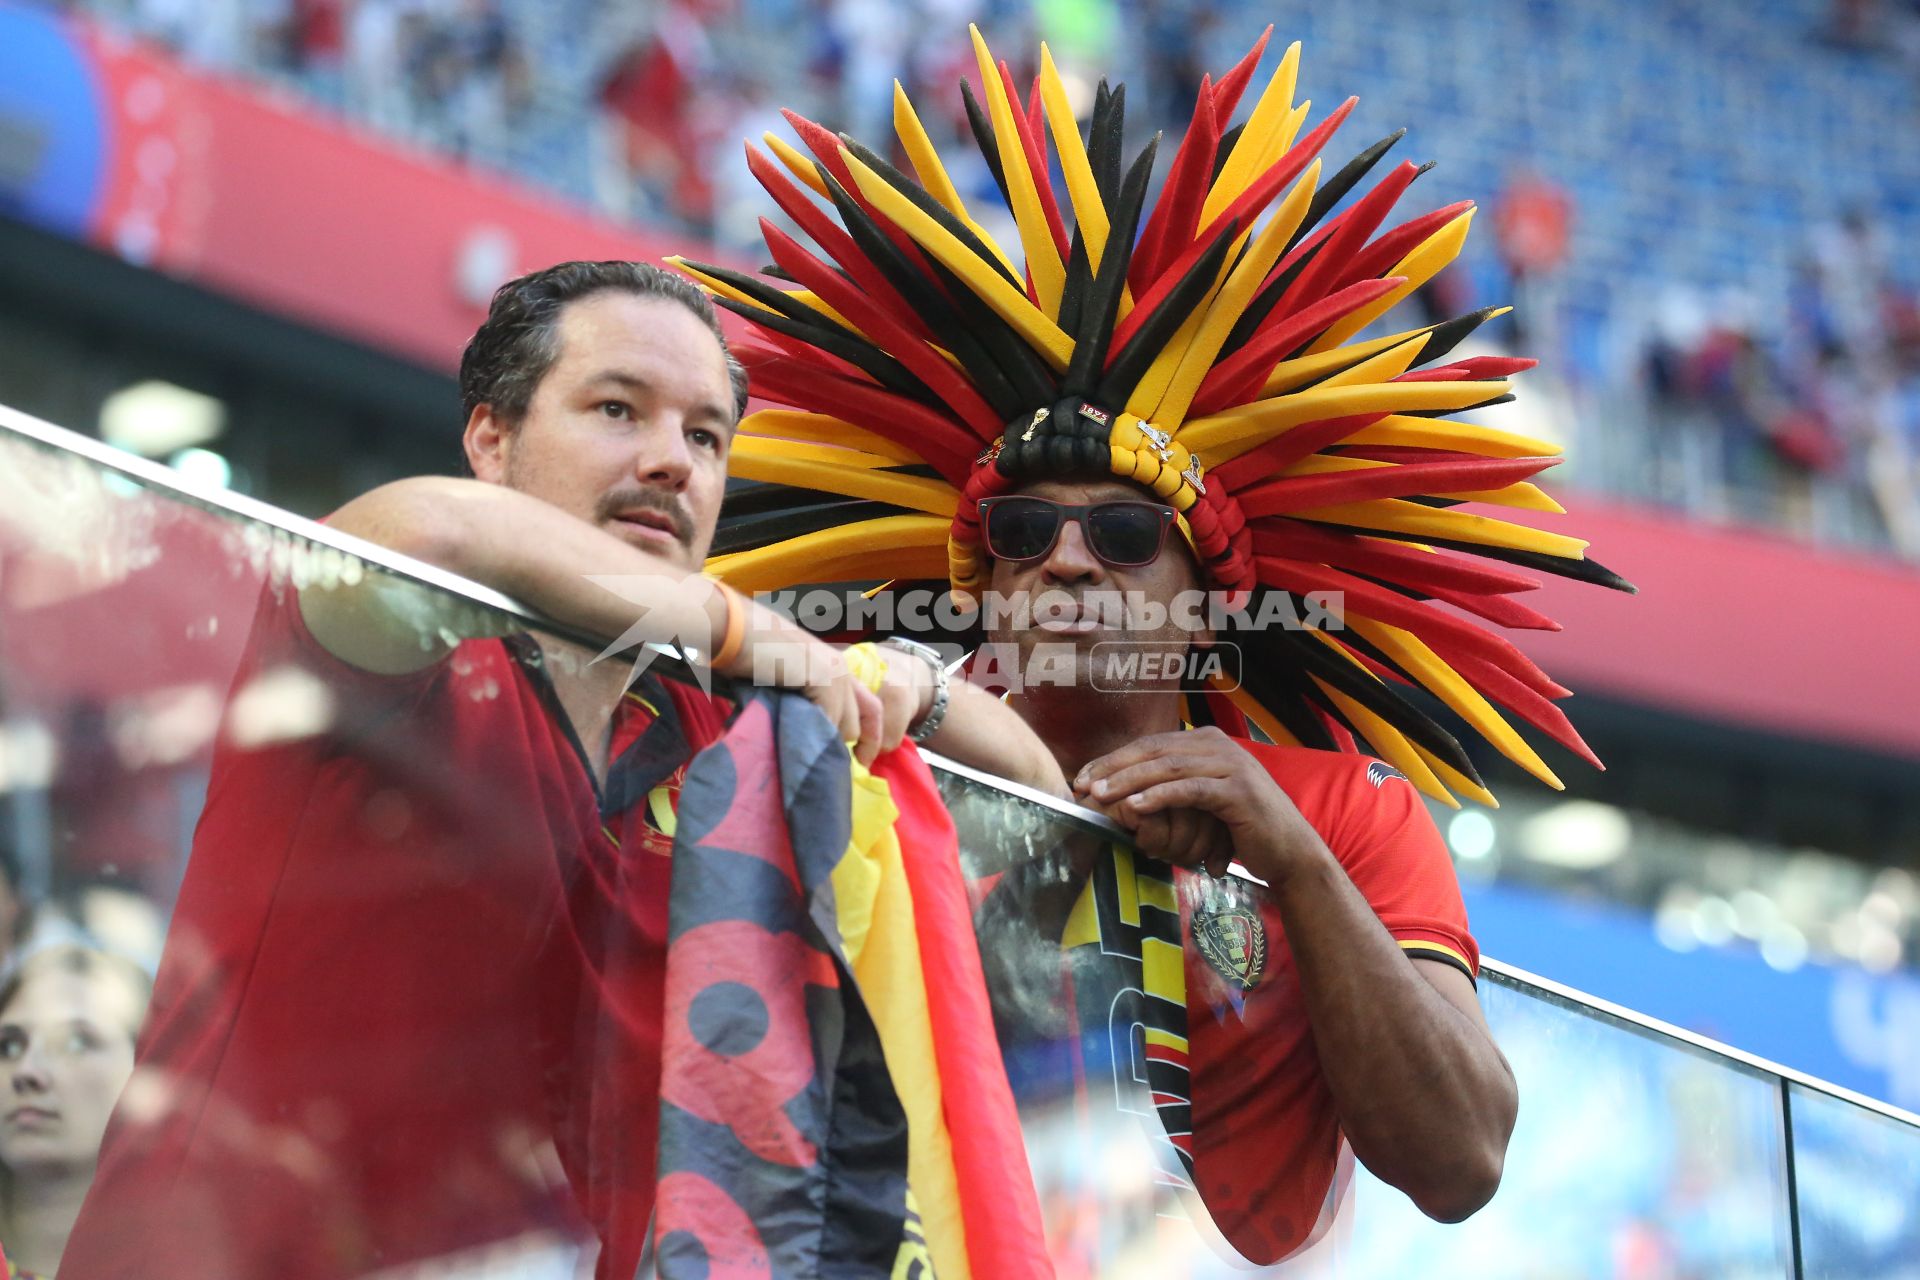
(833, 1102)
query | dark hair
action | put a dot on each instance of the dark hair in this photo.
(513, 350)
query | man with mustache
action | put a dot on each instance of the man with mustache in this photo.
(411, 999)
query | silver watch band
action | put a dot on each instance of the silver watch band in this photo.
(929, 723)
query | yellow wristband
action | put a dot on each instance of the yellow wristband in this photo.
(866, 665)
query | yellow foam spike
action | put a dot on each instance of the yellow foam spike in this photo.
(1007, 302)
(767, 448)
(1232, 432)
(1089, 211)
(1413, 656)
(799, 164)
(715, 285)
(1444, 433)
(1395, 516)
(1419, 266)
(920, 493)
(1289, 375)
(1453, 778)
(1523, 496)
(1269, 116)
(913, 547)
(1043, 255)
(1231, 302)
(1385, 367)
(1391, 745)
(821, 428)
(933, 174)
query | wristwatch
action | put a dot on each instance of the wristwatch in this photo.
(937, 711)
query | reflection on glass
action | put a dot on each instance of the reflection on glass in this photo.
(1857, 1175)
(1635, 1154)
(144, 650)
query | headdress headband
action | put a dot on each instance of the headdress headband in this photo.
(1204, 351)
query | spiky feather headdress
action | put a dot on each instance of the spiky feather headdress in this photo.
(926, 369)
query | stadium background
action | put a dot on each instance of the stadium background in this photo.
(268, 225)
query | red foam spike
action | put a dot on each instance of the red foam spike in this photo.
(1501, 687)
(1171, 225)
(1398, 454)
(1354, 226)
(1226, 94)
(1306, 493)
(1225, 715)
(1385, 253)
(1502, 610)
(1241, 212)
(1036, 163)
(831, 237)
(805, 384)
(1240, 377)
(1342, 740)
(825, 144)
(794, 349)
(1445, 633)
(888, 333)
(1393, 561)
(1472, 369)
(1288, 448)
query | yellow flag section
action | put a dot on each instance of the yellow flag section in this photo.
(875, 910)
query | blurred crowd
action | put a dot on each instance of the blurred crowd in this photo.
(1801, 410)
(1789, 396)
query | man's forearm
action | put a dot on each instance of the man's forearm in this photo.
(1423, 1095)
(982, 731)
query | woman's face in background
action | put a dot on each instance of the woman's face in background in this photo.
(66, 1047)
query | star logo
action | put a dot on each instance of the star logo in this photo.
(651, 593)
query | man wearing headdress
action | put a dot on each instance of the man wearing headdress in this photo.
(1169, 402)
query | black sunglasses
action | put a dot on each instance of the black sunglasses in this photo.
(1122, 534)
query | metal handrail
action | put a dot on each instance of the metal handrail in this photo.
(221, 501)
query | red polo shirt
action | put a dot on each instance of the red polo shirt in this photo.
(411, 996)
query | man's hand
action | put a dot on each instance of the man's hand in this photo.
(1197, 799)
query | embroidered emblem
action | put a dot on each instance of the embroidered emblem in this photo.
(1378, 771)
(1039, 416)
(1093, 414)
(1233, 939)
(992, 452)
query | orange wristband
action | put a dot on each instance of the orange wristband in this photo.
(735, 633)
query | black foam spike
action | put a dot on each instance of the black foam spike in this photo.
(1381, 699)
(1335, 189)
(1104, 143)
(1102, 308)
(1585, 570)
(1271, 677)
(924, 202)
(746, 533)
(1073, 294)
(834, 340)
(1133, 360)
(797, 320)
(928, 302)
(1264, 302)
(982, 126)
(1026, 373)
(1449, 334)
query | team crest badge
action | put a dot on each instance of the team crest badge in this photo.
(1234, 941)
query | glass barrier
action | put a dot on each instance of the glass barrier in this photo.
(423, 1108)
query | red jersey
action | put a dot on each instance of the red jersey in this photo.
(417, 953)
(1222, 1038)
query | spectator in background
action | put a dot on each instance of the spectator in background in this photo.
(16, 915)
(68, 1020)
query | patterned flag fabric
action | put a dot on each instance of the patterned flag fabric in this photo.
(831, 1098)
